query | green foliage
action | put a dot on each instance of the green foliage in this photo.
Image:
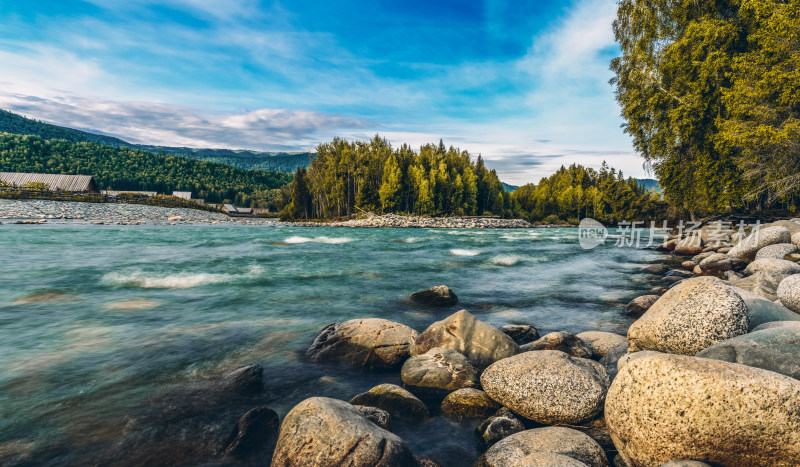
(131, 169)
(709, 92)
(576, 192)
(351, 177)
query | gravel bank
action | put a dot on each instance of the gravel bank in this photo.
(41, 209)
(395, 221)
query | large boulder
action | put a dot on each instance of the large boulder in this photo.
(254, 435)
(791, 225)
(554, 439)
(397, 401)
(719, 262)
(601, 342)
(439, 295)
(438, 372)
(760, 310)
(690, 317)
(777, 251)
(776, 349)
(796, 239)
(548, 386)
(777, 324)
(772, 266)
(689, 246)
(788, 292)
(469, 403)
(666, 407)
(329, 432)
(761, 283)
(520, 333)
(499, 426)
(482, 343)
(366, 343)
(765, 236)
(564, 341)
(639, 305)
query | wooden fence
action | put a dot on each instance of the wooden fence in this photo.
(12, 192)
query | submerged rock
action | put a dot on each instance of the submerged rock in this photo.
(639, 305)
(469, 403)
(322, 431)
(438, 372)
(666, 407)
(516, 449)
(366, 343)
(776, 349)
(254, 435)
(548, 386)
(480, 342)
(690, 317)
(564, 341)
(609, 360)
(397, 401)
(439, 295)
(497, 427)
(520, 333)
(377, 416)
(245, 380)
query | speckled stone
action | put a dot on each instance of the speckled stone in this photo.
(397, 401)
(685, 463)
(438, 372)
(377, 416)
(555, 439)
(538, 459)
(789, 292)
(564, 341)
(482, 343)
(639, 305)
(772, 266)
(796, 239)
(501, 425)
(761, 283)
(690, 317)
(323, 431)
(776, 349)
(777, 251)
(689, 246)
(765, 236)
(367, 343)
(760, 310)
(601, 342)
(548, 386)
(666, 407)
(719, 262)
(469, 403)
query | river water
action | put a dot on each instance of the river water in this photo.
(113, 338)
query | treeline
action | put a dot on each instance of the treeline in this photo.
(19, 125)
(576, 192)
(710, 93)
(370, 176)
(287, 162)
(132, 169)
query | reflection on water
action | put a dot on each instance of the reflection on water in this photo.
(113, 341)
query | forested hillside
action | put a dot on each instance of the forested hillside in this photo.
(710, 93)
(243, 159)
(351, 177)
(576, 192)
(132, 169)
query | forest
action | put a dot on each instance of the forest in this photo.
(131, 169)
(370, 176)
(710, 93)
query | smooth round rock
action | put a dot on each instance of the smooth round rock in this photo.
(520, 333)
(497, 427)
(438, 372)
(761, 283)
(777, 251)
(323, 431)
(765, 236)
(601, 342)
(469, 403)
(555, 440)
(255, 434)
(772, 266)
(776, 349)
(482, 343)
(777, 324)
(690, 317)
(719, 262)
(760, 310)
(609, 360)
(788, 292)
(564, 341)
(688, 265)
(796, 239)
(397, 401)
(689, 246)
(667, 407)
(655, 268)
(548, 386)
(639, 305)
(439, 295)
(246, 380)
(365, 343)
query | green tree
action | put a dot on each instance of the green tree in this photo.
(391, 185)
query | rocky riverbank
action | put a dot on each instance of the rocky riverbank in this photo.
(396, 221)
(707, 375)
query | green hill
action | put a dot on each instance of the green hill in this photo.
(124, 168)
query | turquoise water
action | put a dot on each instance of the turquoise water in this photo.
(119, 363)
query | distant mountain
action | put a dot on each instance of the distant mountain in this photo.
(509, 188)
(243, 159)
(649, 183)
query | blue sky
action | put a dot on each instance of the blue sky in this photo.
(524, 82)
